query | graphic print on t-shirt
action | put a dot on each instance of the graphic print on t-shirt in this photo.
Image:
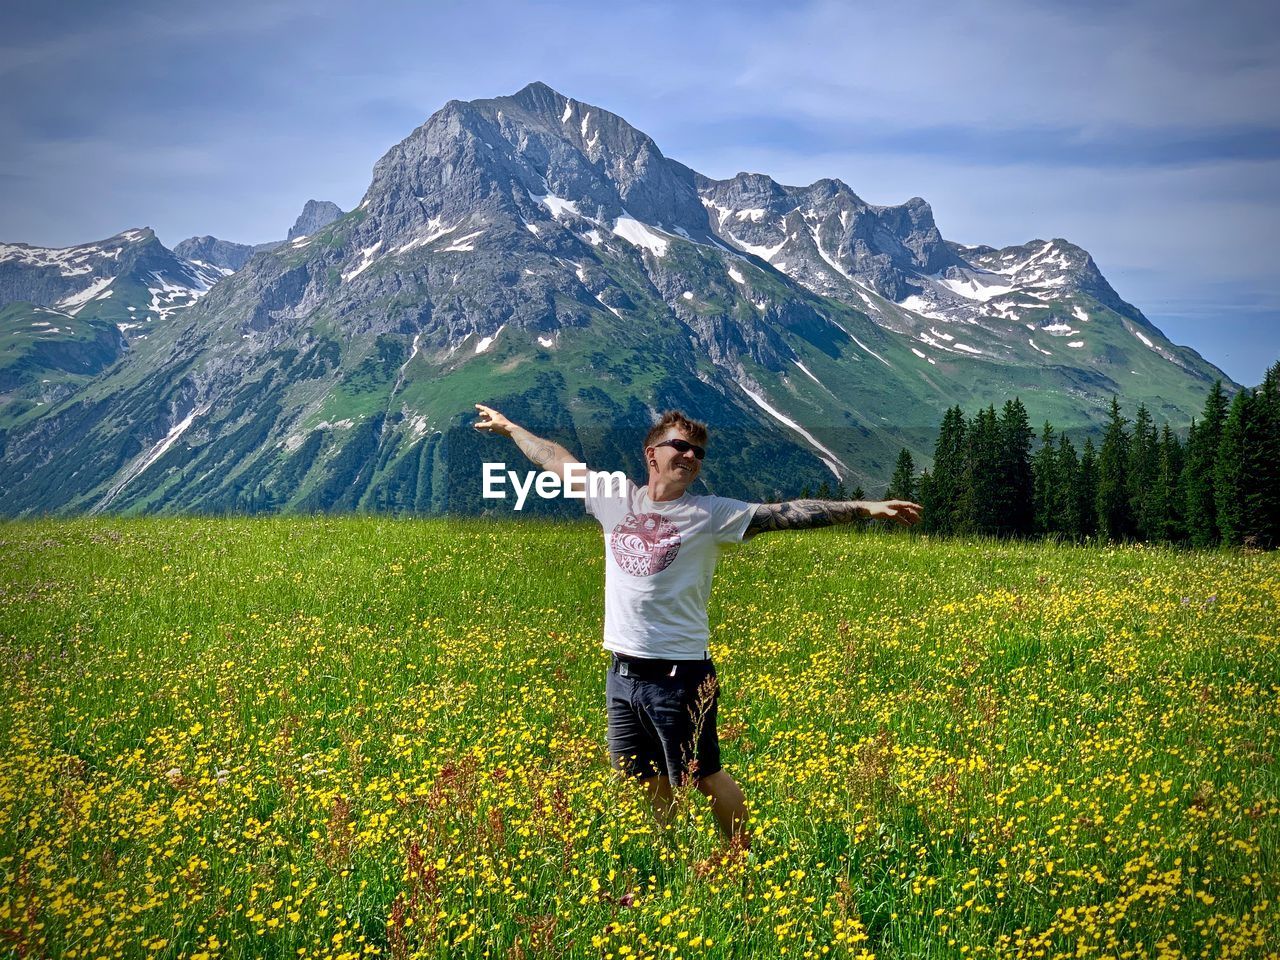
(645, 543)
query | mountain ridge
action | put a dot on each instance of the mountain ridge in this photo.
(540, 252)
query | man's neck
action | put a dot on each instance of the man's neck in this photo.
(661, 490)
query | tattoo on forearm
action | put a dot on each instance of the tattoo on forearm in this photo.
(544, 453)
(803, 515)
(535, 448)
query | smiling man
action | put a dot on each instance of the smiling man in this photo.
(661, 546)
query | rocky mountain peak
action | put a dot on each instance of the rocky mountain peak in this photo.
(539, 99)
(493, 161)
(316, 214)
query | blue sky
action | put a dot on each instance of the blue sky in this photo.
(1148, 133)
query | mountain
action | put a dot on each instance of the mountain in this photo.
(315, 215)
(229, 257)
(542, 255)
(131, 268)
(68, 314)
(222, 255)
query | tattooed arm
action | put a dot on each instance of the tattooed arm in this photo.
(547, 455)
(806, 514)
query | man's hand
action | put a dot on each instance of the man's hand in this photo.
(902, 511)
(493, 421)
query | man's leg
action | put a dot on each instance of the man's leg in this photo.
(729, 805)
(661, 796)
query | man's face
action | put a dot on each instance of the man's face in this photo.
(669, 464)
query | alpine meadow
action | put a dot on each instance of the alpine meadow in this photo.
(346, 737)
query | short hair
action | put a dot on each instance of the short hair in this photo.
(695, 431)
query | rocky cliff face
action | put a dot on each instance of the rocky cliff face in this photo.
(315, 214)
(222, 255)
(542, 255)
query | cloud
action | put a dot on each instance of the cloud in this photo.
(1015, 63)
(69, 34)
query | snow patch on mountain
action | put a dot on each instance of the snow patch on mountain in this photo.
(918, 304)
(639, 234)
(557, 205)
(463, 244)
(971, 289)
(810, 375)
(435, 230)
(831, 261)
(863, 345)
(76, 302)
(764, 253)
(484, 343)
(829, 458)
(366, 259)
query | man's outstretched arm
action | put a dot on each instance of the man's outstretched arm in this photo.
(547, 455)
(807, 514)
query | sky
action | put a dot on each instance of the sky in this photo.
(1147, 133)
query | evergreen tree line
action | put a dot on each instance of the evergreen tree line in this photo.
(1220, 487)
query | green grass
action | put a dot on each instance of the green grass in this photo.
(329, 736)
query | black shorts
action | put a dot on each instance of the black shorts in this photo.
(661, 724)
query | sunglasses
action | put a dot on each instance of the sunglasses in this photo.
(683, 446)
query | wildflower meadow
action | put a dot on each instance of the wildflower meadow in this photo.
(349, 737)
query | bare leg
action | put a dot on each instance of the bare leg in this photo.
(729, 805)
(661, 796)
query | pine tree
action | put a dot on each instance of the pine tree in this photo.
(1265, 462)
(1165, 503)
(1185, 481)
(1046, 484)
(1200, 507)
(981, 489)
(1256, 493)
(902, 486)
(1066, 500)
(1115, 518)
(1144, 452)
(942, 499)
(1087, 491)
(1016, 507)
(1229, 472)
(924, 487)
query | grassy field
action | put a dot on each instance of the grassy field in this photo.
(340, 737)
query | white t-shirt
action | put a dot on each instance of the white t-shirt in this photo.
(659, 560)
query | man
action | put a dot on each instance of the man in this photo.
(661, 545)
